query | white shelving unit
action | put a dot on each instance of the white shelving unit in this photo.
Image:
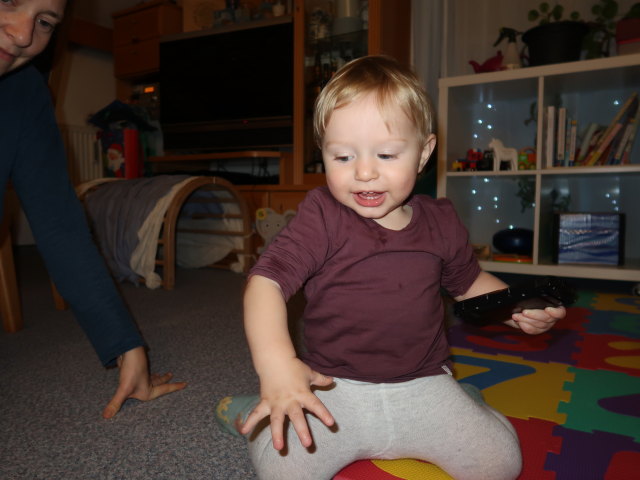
(473, 109)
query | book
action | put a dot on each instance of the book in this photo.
(624, 138)
(595, 138)
(619, 142)
(609, 157)
(550, 137)
(585, 142)
(627, 148)
(573, 138)
(561, 136)
(603, 144)
(616, 124)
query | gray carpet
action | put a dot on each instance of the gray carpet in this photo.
(53, 388)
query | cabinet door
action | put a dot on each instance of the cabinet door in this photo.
(283, 201)
(255, 199)
(136, 34)
(136, 59)
(135, 27)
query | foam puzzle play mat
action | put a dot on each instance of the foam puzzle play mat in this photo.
(573, 393)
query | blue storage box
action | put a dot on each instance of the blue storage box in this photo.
(591, 238)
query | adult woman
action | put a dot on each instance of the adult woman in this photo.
(32, 157)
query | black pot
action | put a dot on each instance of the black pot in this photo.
(555, 42)
(514, 240)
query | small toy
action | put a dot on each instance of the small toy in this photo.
(269, 223)
(527, 159)
(470, 163)
(487, 161)
(474, 155)
(115, 160)
(490, 65)
(481, 251)
(503, 154)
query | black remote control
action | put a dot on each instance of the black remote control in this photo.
(498, 306)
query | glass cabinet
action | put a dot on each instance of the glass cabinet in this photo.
(329, 33)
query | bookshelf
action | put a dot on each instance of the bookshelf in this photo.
(512, 106)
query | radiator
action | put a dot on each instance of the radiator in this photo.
(84, 157)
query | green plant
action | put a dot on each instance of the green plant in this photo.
(526, 192)
(560, 203)
(547, 14)
(602, 29)
(634, 11)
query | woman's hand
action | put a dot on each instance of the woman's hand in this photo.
(136, 382)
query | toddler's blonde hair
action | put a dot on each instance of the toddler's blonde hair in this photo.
(393, 84)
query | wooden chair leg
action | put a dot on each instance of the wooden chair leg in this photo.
(9, 298)
(59, 302)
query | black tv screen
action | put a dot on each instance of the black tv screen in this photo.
(225, 89)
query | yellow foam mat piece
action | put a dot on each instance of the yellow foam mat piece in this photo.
(612, 302)
(409, 469)
(536, 395)
(627, 361)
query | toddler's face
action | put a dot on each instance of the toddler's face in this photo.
(372, 166)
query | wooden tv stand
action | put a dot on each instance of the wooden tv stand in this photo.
(194, 161)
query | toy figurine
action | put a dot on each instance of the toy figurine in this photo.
(503, 154)
(269, 223)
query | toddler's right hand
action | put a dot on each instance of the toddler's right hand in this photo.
(284, 392)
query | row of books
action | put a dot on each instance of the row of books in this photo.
(566, 146)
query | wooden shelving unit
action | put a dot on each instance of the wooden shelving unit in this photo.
(475, 108)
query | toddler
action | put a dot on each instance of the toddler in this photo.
(374, 380)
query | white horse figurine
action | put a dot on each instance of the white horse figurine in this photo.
(502, 154)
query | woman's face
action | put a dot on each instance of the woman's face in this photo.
(26, 26)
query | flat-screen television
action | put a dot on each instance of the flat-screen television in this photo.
(228, 88)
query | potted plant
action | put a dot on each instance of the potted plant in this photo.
(554, 39)
(604, 27)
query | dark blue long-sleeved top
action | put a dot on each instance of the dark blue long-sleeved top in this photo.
(32, 157)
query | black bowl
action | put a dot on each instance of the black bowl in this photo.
(514, 240)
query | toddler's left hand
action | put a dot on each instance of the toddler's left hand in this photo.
(537, 321)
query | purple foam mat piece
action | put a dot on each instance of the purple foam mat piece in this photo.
(557, 345)
(624, 405)
(586, 456)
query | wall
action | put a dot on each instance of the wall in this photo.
(99, 11)
(473, 27)
(90, 84)
(468, 29)
(89, 87)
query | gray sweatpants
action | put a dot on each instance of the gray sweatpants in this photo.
(430, 419)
